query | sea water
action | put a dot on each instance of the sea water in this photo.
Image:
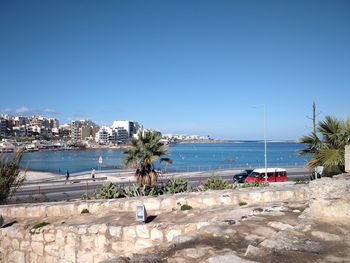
(185, 157)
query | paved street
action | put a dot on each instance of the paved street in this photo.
(80, 184)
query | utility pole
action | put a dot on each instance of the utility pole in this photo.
(314, 115)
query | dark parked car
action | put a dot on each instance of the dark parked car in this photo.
(240, 177)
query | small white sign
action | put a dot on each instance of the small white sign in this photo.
(100, 160)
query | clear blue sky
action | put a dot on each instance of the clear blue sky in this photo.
(196, 67)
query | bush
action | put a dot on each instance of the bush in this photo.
(301, 180)
(10, 178)
(185, 207)
(175, 185)
(109, 191)
(254, 184)
(215, 183)
(85, 211)
(241, 203)
(134, 190)
(37, 227)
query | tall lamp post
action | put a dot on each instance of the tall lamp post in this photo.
(265, 154)
(265, 147)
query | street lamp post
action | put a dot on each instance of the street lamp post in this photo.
(265, 154)
(265, 147)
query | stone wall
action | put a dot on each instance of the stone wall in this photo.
(161, 203)
(92, 243)
(330, 199)
(98, 242)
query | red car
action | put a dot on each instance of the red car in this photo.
(273, 175)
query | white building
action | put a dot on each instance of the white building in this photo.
(132, 127)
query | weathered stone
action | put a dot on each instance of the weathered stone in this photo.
(264, 231)
(49, 237)
(229, 258)
(152, 204)
(71, 239)
(193, 252)
(60, 238)
(38, 248)
(51, 259)
(69, 253)
(101, 243)
(93, 229)
(16, 256)
(25, 245)
(129, 232)
(15, 244)
(172, 233)
(143, 243)
(252, 251)
(330, 199)
(325, 236)
(279, 225)
(157, 235)
(183, 239)
(142, 231)
(85, 257)
(115, 231)
(87, 242)
(51, 249)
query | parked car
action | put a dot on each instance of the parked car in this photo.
(273, 175)
(240, 177)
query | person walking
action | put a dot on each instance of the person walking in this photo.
(67, 176)
(93, 172)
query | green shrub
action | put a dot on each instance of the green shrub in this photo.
(10, 177)
(301, 180)
(254, 184)
(135, 190)
(175, 185)
(185, 207)
(35, 228)
(215, 183)
(85, 211)
(242, 203)
(109, 191)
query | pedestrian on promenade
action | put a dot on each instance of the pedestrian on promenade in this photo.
(93, 174)
(67, 176)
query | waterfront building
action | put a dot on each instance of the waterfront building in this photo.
(132, 127)
(4, 127)
(122, 136)
(103, 135)
(83, 129)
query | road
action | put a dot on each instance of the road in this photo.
(76, 187)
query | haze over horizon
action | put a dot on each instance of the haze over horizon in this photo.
(192, 67)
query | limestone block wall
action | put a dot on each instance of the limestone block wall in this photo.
(161, 203)
(98, 242)
(330, 199)
(86, 244)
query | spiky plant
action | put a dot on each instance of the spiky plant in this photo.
(10, 177)
(142, 154)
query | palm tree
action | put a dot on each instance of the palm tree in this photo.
(144, 151)
(327, 145)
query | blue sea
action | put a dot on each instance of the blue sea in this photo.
(186, 157)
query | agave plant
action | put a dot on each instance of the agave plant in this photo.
(327, 145)
(144, 151)
(175, 185)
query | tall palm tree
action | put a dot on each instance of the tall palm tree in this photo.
(142, 154)
(327, 145)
